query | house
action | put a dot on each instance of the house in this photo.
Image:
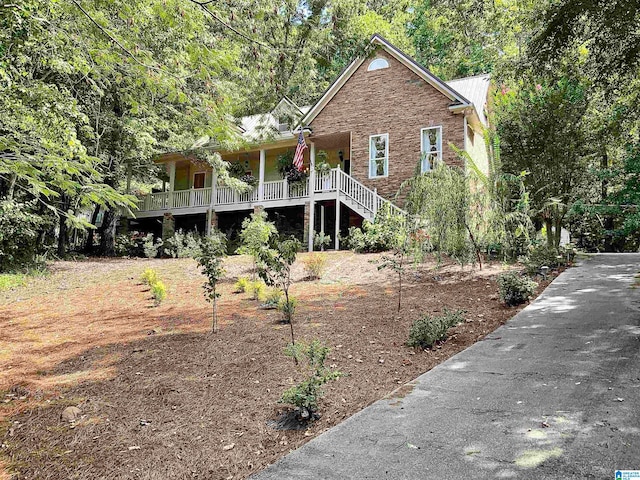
(379, 118)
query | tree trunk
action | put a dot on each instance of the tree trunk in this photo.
(108, 233)
(88, 247)
(12, 186)
(548, 224)
(557, 232)
(214, 326)
(63, 231)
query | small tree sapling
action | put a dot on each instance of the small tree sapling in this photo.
(213, 251)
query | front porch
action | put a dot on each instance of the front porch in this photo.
(194, 189)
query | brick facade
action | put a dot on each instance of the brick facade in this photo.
(396, 101)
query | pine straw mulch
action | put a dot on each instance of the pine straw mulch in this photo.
(161, 398)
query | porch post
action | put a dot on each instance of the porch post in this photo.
(312, 188)
(263, 157)
(322, 221)
(338, 187)
(172, 182)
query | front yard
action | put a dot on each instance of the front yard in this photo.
(163, 398)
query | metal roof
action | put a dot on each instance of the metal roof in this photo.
(476, 89)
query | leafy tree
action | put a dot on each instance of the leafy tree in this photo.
(458, 38)
(255, 235)
(213, 251)
(440, 201)
(274, 267)
(541, 128)
(502, 202)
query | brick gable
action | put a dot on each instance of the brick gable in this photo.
(396, 101)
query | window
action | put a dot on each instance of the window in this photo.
(431, 146)
(379, 155)
(198, 179)
(378, 64)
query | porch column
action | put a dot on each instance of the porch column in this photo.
(263, 157)
(322, 223)
(312, 188)
(338, 187)
(172, 182)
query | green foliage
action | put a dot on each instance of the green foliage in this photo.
(314, 265)
(502, 203)
(182, 245)
(9, 281)
(125, 245)
(554, 111)
(158, 292)
(150, 246)
(212, 252)
(287, 306)
(441, 200)
(305, 395)
(543, 255)
(273, 298)
(379, 236)
(255, 235)
(18, 236)
(514, 288)
(274, 267)
(258, 290)
(242, 285)
(428, 330)
(321, 240)
(149, 276)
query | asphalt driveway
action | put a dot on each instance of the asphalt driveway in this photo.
(553, 394)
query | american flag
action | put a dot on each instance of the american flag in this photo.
(297, 158)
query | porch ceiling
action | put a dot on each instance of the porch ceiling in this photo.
(333, 141)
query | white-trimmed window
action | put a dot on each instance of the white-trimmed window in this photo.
(378, 64)
(379, 155)
(431, 147)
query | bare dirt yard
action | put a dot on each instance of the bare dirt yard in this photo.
(162, 398)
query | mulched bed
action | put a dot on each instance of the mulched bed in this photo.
(196, 405)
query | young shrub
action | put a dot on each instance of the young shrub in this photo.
(255, 235)
(305, 395)
(542, 255)
(158, 292)
(515, 289)
(428, 330)
(273, 298)
(315, 265)
(321, 240)
(242, 285)
(150, 247)
(274, 267)
(288, 308)
(212, 252)
(258, 290)
(149, 276)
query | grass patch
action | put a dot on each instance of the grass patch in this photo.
(9, 281)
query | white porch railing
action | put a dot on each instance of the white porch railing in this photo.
(366, 201)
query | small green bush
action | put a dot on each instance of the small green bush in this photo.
(287, 308)
(242, 285)
(150, 247)
(183, 245)
(515, 288)
(9, 281)
(306, 394)
(315, 264)
(376, 237)
(273, 298)
(427, 330)
(542, 255)
(258, 290)
(149, 276)
(158, 292)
